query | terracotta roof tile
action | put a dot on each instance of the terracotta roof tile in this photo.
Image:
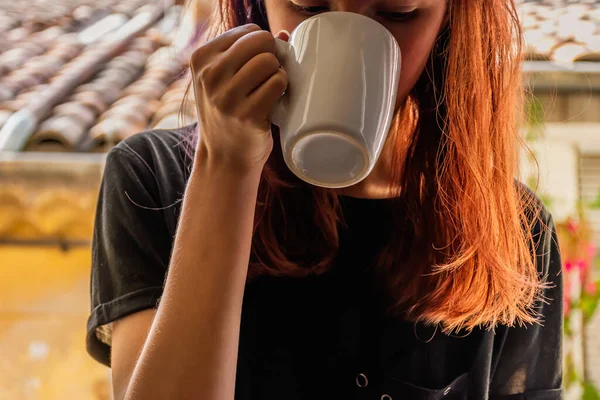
(561, 30)
(99, 89)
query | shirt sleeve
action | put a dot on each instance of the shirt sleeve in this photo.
(529, 365)
(130, 249)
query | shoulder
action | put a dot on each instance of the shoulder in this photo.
(536, 211)
(150, 169)
(156, 149)
(540, 223)
(158, 159)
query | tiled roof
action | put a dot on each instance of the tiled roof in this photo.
(91, 72)
(561, 30)
(91, 84)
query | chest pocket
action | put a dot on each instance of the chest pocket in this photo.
(393, 389)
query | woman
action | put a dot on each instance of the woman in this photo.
(436, 277)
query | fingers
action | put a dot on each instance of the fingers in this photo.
(214, 66)
(208, 55)
(254, 73)
(263, 99)
(283, 35)
(224, 41)
(246, 48)
(239, 73)
(205, 60)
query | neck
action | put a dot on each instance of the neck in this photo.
(380, 183)
(371, 188)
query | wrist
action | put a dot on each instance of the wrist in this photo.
(206, 162)
(221, 171)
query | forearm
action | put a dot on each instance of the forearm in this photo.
(191, 350)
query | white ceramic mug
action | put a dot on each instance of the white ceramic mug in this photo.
(343, 70)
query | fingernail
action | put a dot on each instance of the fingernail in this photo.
(283, 31)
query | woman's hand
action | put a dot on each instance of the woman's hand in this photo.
(237, 82)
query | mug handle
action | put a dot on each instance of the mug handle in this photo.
(283, 50)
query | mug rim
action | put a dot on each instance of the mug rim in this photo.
(327, 14)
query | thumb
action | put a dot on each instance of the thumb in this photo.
(283, 35)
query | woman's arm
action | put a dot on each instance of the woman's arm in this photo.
(191, 347)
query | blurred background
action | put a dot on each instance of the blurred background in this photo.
(78, 76)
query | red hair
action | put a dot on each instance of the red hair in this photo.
(461, 255)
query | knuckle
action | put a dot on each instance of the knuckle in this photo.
(259, 42)
(280, 85)
(266, 40)
(268, 61)
(199, 86)
(222, 101)
(264, 36)
(280, 81)
(245, 30)
(251, 27)
(198, 56)
(273, 62)
(205, 74)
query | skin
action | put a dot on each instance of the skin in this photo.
(186, 348)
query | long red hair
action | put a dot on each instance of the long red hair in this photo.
(461, 255)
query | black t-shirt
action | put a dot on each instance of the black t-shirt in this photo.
(316, 337)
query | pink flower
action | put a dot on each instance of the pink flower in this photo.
(572, 226)
(567, 287)
(568, 265)
(591, 288)
(572, 264)
(591, 250)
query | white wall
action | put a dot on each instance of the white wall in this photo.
(557, 160)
